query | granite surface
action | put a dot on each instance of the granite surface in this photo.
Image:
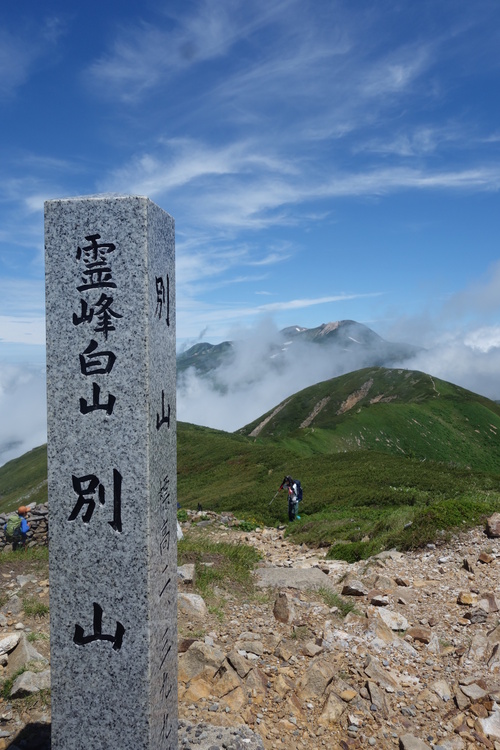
(110, 299)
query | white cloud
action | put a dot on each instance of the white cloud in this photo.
(252, 186)
(147, 55)
(397, 72)
(483, 339)
(22, 330)
(193, 317)
(23, 410)
(459, 360)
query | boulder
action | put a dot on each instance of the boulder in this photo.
(355, 588)
(186, 573)
(192, 605)
(377, 698)
(198, 688)
(9, 642)
(225, 680)
(466, 598)
(441, 688)
(235, 700)
(393, 620)
(491, 726)
(315, 680)
(376, 673)
(474, 691)
(29, 683)
(492, 528)
(283, 610)
(333, 709)
(199, 659)
(239, 663)
(419, 633)
(485, 558)
(23, 653)
(488, 602)
(476, 615)
(410, 742)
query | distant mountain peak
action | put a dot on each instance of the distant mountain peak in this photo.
(343, 338)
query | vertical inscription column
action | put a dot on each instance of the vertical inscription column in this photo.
(111, 377)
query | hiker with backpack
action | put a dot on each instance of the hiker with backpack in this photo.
(294, 496)
(17, 527)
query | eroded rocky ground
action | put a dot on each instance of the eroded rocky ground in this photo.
(416, 661)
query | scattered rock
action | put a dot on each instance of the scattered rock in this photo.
(421, 634)
(283, 610)
(311, 679)
(493, 526)
(30, 682)
(485, 558)
(409, 742)
(192, 605)
(9, 642)
(491, 726)
(393, 620)
(466, 598)
(186, 573)
(23, 654)
(355, 588)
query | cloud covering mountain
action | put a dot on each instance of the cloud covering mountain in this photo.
(251, 382)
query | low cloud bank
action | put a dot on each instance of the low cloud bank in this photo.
(23, 417)
(254, 383)
(473, 362)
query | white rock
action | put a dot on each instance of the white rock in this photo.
(491, 725)
(192, 605)
(9, 643)
(393, 620)
(442, 689)
(185, 573)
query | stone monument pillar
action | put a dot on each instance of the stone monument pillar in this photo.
(111, 382)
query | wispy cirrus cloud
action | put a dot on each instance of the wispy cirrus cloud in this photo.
(252, 188)
(178, 162)
(148, 54)
(22, 48)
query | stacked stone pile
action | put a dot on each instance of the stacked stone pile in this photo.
(38, 519)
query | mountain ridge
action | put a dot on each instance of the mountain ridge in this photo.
(405, 412)
(342, 337)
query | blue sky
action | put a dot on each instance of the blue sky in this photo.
(323, 160)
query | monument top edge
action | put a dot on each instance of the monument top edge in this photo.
(97, 196)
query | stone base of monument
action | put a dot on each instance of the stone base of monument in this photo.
(206, 737)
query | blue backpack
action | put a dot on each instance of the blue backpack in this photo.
(299, 489)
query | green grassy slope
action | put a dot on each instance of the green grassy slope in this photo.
(392, 458)
(393, 411)
(24, 480)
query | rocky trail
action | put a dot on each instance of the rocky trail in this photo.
(414, 663)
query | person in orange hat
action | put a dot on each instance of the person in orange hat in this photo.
(17, 527)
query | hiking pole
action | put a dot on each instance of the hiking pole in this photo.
(274, 498)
